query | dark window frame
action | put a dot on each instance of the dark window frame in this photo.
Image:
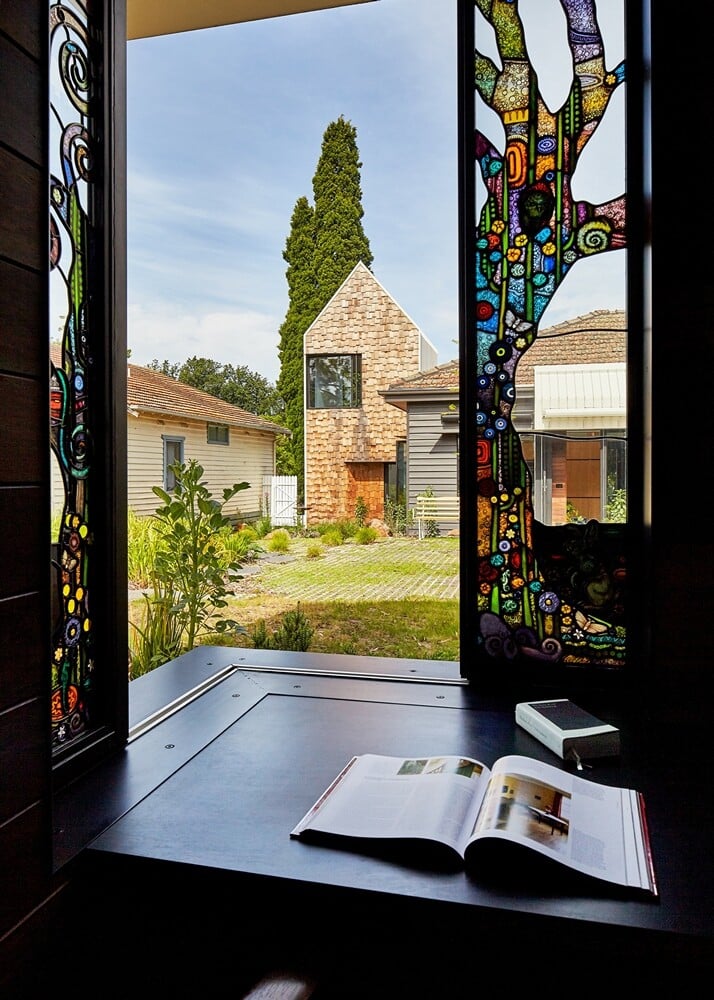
(355, 380)
(215, 440)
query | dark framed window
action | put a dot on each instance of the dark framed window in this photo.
(334, 381)
(173, 454)
(217, 434)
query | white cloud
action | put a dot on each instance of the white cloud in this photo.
(164, 333)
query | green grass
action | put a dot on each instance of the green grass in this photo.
(397, 597)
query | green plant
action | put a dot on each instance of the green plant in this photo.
(142, 540)
(188, 558)
(293, 633)
(395, 517)
(333, 537)
(431, 528)
(616, 507)
(279, 540)
(159, 637)
(263, 526)
(573, 515)
(361, 511)
(313, 551)
(365, 536)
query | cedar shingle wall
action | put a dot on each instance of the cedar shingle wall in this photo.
(362, 319)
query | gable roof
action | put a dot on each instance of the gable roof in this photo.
(148, 391)
(598, 338)
(151, 392)
(359, 274)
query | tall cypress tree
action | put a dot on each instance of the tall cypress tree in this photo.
(324, 244)
(298, 254)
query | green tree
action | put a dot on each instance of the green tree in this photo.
(298, 254)
(236, 385)
(189, 561)
(324, 244)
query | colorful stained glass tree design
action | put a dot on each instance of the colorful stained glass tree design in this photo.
(536, 596)
(73, 241)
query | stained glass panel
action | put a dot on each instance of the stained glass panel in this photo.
(548, 593)
(74, 94)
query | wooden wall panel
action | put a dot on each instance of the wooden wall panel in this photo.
(23, 321)
(24, 646)
(26, 21)
(20, 126)
(23, 232)
(23, 757)
(24, 542)
(25, 850)
(24, 454)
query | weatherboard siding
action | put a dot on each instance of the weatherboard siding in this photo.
(248, 457)
(432, 458)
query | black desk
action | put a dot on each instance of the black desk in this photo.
(201, 849)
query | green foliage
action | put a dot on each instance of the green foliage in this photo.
(332, 537)
(573, 514)
(294, 633)
(431, 528)
(159, 638)
(188, 557)
(323, 246)
(236, 385)
(396, 517)
(313, 551)
(141, 548)
(361, 511)
(238, 546)
(279, 540)
(345, 528)
(263, 526)
(366, 535)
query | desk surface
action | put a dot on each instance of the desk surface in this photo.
(219, 785)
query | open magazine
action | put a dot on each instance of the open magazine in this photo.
(458, 802)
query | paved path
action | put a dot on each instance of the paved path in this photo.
(391, 570)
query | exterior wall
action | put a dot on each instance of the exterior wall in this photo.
(432, 456)
(366, 480)
(361, 318)
(248, 457)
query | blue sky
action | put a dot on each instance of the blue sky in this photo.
(224, 134)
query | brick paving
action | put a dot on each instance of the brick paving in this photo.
(393, 569)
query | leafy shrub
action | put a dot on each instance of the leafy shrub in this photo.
(142, 541)
(333, 537)
(346, 529)
(160, 636)
(295, 633)
(361, 511)
(431, 528)
(366, 535)
(313, 551)
(395, 517)
(242, 546)
(188, 558)
(278, 540)
(263, 526)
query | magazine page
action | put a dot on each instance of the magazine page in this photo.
(433, 798)
(593, 828)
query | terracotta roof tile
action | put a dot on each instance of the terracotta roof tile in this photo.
(596, 338)
(149, 391)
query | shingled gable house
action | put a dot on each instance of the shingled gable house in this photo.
(570, 412)
(168, 421)
(354, 440)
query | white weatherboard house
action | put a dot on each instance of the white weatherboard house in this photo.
(168, 421)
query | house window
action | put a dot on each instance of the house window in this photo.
(217, 434)
(395, 477)
(334, 381)
(173, 455)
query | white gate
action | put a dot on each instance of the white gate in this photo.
(280, 495)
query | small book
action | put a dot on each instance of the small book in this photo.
(461, 806)
(568, 730)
